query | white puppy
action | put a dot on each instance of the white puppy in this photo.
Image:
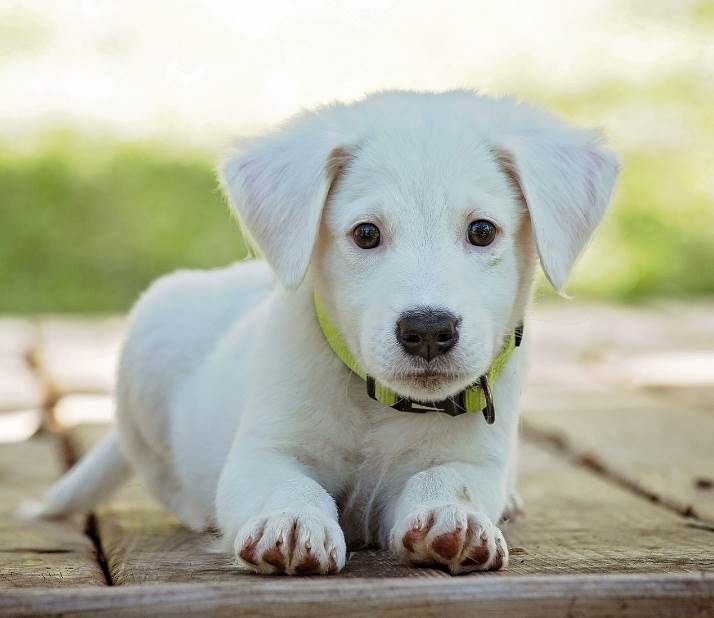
(409, 224)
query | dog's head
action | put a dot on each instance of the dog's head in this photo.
(419, 217)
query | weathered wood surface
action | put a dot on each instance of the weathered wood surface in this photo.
(143, 543)
(618, 427)
(73, 410)
(625, 596)
(20, 389)
(32, 553)
(665, 346)
(79, 355)
(575, 523)
(662, 449)
(627, 391)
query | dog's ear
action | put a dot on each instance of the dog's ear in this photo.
(277, 185)
(565, 178)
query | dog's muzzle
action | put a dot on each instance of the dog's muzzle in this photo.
(475, 398)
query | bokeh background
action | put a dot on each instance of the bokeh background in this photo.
(113, 113)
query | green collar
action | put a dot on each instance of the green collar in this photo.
(472, 399)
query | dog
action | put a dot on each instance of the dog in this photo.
(358, 386)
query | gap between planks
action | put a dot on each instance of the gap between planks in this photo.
(577, 523)
(540, 438)
(564, 448)
(69, 457)
(67, 452)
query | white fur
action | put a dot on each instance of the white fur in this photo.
(234, 410)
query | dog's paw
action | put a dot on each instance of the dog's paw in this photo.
(452, 537)
(292, 543)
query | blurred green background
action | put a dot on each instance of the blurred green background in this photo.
(86, 225)
(89, 217)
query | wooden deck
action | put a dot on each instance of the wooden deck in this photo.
(617, 474)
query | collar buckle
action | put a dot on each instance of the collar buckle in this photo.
(518, 335)
(489, 411)
(453, 406)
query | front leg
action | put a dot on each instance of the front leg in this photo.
(445, 517)
(276, 518)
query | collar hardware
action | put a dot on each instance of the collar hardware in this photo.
(518, 335)
(489, 410)
(475, 398)
(453, 406)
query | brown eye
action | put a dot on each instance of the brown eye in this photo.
(481, 232)
(366, 235)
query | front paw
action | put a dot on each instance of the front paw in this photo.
(513, 508)
(452, 537)
(292, 543)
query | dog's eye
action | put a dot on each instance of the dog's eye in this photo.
(481, 232)
(366, 235)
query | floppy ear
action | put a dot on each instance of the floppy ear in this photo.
(277, 185)
(566, 179)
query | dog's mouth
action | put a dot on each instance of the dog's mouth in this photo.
(421, 380)
(435, 375)
(425, 382)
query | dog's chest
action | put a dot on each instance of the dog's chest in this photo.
(362, 453)
(391, 447)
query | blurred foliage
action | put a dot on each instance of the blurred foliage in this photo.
(658, 238)
(86, 225)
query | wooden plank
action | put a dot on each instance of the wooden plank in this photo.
(79, 355)
(34, 553)
(72, 410)
(629, 391)
(699, 398)
(17, 336)
(592, 331)
(19, 425)
(19, 387)
(576, 523)
(577, 345)
(625, 596)
(651, 443)
(143, 543)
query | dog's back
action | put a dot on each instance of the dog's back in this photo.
(176, 323)
(173, 326)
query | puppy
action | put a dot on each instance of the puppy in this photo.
(360, 385)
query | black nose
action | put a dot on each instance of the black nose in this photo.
(427, 332)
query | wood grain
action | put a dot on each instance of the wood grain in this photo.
(651, 442)
(630, 390)
(625, 596)
(79, 355)
(34, 553)
(19, 387)
(143, 543)
(576, 523)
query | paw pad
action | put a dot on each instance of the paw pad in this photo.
(292, 544)
(453, 538)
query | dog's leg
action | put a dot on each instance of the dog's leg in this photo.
(276, 518)
(445, 517)
(513, 508)
(514, 503)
